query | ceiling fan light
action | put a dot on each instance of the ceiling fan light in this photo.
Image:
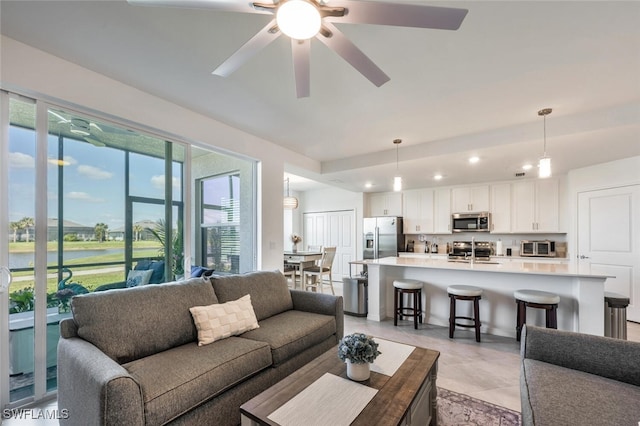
(299, 19)
(544, 167)
(397, 183)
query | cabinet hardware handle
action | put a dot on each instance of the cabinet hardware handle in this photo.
(584, 257)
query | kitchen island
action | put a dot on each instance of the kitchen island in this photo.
(581, 291)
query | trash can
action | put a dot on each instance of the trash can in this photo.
(615, 315)
(355, 296)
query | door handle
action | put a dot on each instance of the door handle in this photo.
(4, 286)
(584, 257)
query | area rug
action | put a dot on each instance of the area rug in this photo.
(456, 409)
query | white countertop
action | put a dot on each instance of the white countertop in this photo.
(572, 269)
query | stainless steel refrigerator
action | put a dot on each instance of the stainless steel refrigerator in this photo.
(382, 237)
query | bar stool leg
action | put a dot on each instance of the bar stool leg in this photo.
(552, 317)
(452, 316)
(420, 313)
(395, 306)
(522, 318)
(415, 310)
(476, 316)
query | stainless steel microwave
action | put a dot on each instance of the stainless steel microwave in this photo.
(471, 222)
(544, 248)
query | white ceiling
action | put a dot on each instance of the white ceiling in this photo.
(452, 94)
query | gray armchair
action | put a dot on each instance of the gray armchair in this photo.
(571, 378)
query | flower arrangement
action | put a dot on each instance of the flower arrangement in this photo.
(358, 348)
(295, 238)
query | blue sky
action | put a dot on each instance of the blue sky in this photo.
(93, 181)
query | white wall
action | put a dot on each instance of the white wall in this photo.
(34, 73)
(601, 176)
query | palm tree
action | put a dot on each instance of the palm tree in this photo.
(14, 227)
(177, 245)
(100, 231)
(26, 223)
(137, 230)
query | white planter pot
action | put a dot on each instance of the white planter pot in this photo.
(358, 372)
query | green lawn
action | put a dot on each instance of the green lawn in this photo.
(141, 249)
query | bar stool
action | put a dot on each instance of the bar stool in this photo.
(464, 292)
(412, 287)
(536, 299)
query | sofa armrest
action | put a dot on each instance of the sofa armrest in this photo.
(603, 356)
(318, 303)
(94, 389)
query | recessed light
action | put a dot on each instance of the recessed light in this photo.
(527, 167)
(474, 160)
(368, 185)
(437, 177)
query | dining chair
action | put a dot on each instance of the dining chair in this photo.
(321, 269)
(290, 271)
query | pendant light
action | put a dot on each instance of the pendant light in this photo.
(289, 202)
(397, 180)
(544, 166)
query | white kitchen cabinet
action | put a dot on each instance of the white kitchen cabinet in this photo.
(385, 204)
(501, 208)
(470, 199)
(417, 210)
(442, 211)
(535, 206)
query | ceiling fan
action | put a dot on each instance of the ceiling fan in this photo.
(86, 129)
(302, 20)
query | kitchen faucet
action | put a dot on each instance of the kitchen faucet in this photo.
(473, 249)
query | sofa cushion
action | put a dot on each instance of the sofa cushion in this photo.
(181, 378)
(157, 266)
(132, 323)
(291, 332)
(268, 289)
(222, 320)
(558, 395)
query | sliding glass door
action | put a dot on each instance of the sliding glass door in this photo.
(83, 202)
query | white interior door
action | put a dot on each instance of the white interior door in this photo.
(334, 229)
(609, 239)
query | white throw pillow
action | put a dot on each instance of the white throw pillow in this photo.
(136, 278)
(222, 320)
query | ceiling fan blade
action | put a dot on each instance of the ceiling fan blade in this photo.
(250, 48)
(350, 53)
(221, 5)
(95, 142)
(301, 50)
(401, 15)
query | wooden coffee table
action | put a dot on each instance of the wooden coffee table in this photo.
(405, 398)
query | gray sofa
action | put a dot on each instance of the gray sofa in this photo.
(578, 379)
(131, 356)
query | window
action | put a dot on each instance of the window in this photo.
(220, 225)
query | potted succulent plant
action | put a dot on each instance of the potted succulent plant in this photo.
(358, 350)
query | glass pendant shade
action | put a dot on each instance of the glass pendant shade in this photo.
(290, 203)
(544, 167)
(298, 19)
(397, 183)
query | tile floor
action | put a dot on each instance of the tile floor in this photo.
(488, 370)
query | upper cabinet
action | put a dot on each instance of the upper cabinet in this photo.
(417, 211)
(385, 204)
(470, 199)
(501, 208)
(535, 206)
(442, 211)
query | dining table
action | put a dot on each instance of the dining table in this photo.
(301, 260)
